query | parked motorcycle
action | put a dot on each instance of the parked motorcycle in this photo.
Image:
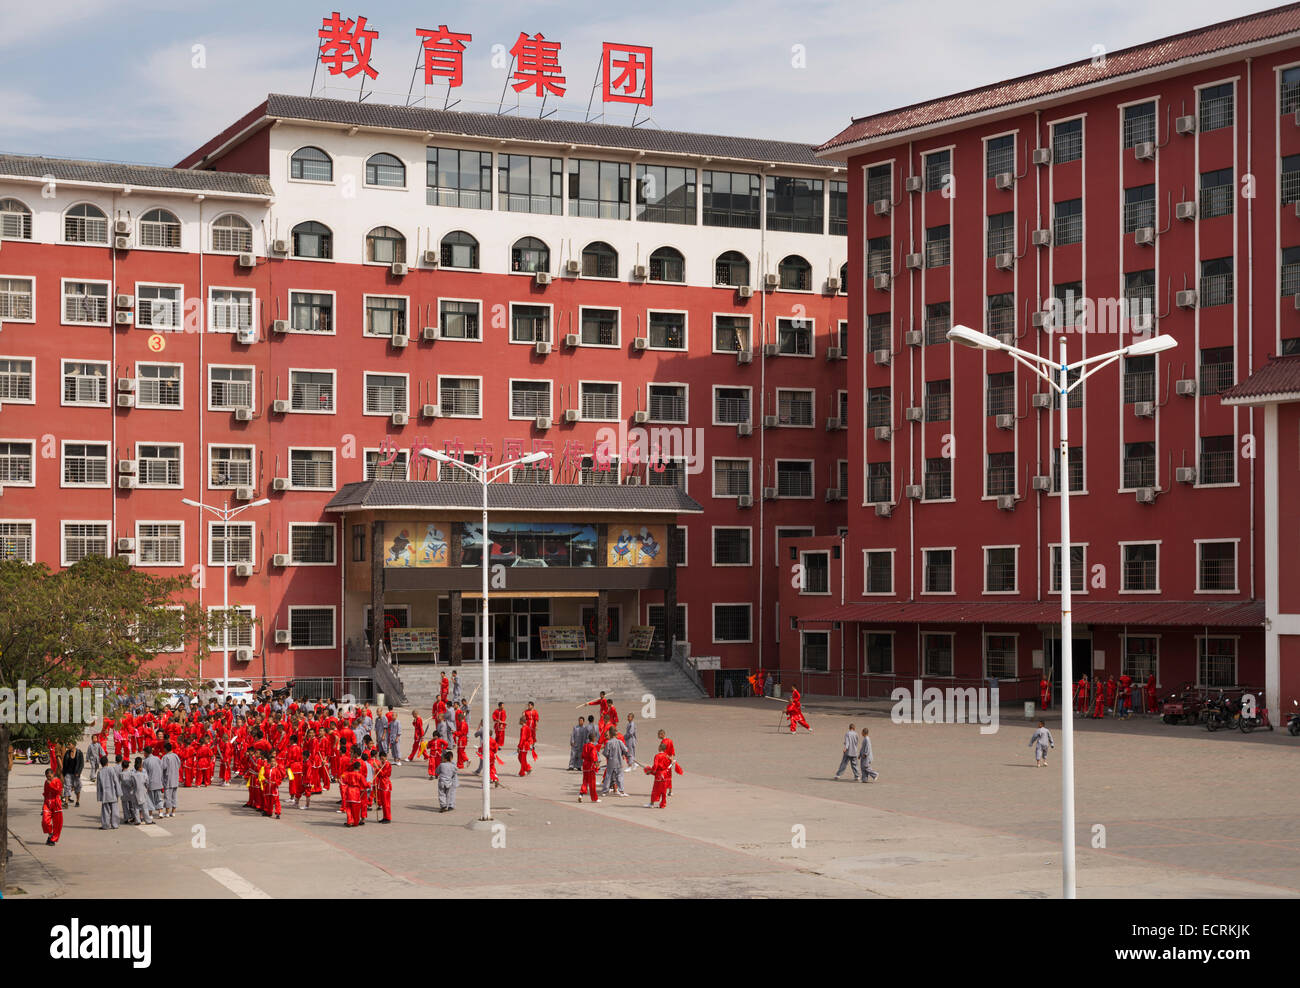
(1260, 718)
(1221, 712)
(1293, 721)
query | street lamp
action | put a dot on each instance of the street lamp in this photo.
(1039, 365)
(484, 474)
(225, 514)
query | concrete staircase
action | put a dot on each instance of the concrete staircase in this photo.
(518, 682)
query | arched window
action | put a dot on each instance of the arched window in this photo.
(384, 245)
(844, 278)
(15, 220)
(731, 269)
(85, 224)
(160, 228)
(668, 264)
(311, 164)
(599, 260)
(531, 255)
(312, 239)
(386, 170)
(795, 274)
(232, 234)
(459, 250)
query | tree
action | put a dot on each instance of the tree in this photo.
(98, 620)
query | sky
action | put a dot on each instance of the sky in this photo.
(149, 80)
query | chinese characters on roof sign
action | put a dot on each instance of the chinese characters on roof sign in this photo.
(626, 71)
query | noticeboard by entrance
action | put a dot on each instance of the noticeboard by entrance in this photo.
(563, 638)
(408, 641)
(640, 637)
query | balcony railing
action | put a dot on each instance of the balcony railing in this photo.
(15, 305)
(732, 411)
(599, 406)
(1140, 386)
(311, 473)
(1216, 289)
(459, 401)
(459, 198)
(1140, 472)
(530, 403)
(667, 408)
(312, 397)
(1216, 200)
(1216, 467)
(1139, 214)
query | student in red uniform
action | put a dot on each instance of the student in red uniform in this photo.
(534, 723)
(417, 731)
(352, 782)
(275, 775)
(499, 724)
(1151, 693)
(1044, 693)
(670, 749)
(590, 763)
(227, 749)
(524, 746)
(1112, 688)
(52, 808)
(662, 770)
(462, 738)
(1099, 699)
(443, 686)
(384, 788)
(794, 710)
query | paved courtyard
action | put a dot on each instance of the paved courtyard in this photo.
(954, 813)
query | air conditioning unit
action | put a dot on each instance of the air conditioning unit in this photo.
(832, 285)
(429, 333)
(280, 484)
(280, 326)
(126, 482)
(880, 281)
(243, 415)
(913, 261)
(640, 416)
(397, 269)
(124, 301)
(881, 357)
(913, 414)
(640, 343)
(126, 545)
(247, 261)
(280, 405)
(1041, 238)
(399, 340)
(126, 401)
(1186, 387)
(832, 424)
(771, 281)
(573, 267)
(243, 569)
(884, 510)
(883, 432)
(430, 258)
(1186, 299)
(770, 421)
(571, 339)
(1185, 210)
(1004, 421)
(1008, 338)
(769, 493)
(745, 291)
(570, 415)
(542, 423)
(745, 429)
(282, 636)
(399, 418)
(1144, 151)
(121, 227)
(913, 183)
(121, 243)
(243, 493)
(881, 207)
(1296, 300)
(1004, 180)
(242, 655)
(1142, 322)
(1040, 399)
(771, 350)
(747, 356)
(1005, 261)
(279, 246)
(640, 272)
(1006, 502)
(246, 335)
(123, 318)
(1040, 319)
(834, 353)
(1146, 495)
(542, 347)
(1042, 156)
(1144, 409)
(914, 337)
(1185, 125)
(833, 494)
(126, 384)
(280, 559)
(1185, 475)
(126, 466)
(430, 411)
(542, 278)
(1041, 483)
(1144, 236)
(745, 501)
(913, 491)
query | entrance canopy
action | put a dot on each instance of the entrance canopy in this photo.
(544, 499)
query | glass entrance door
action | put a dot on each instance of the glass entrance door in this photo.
(523, 638)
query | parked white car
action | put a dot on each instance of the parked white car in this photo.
(232, 689)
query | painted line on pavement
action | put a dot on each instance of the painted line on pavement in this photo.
(242, 888)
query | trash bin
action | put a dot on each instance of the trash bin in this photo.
(776, 691)
(1029, 710)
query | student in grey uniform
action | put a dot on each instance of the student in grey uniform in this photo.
(153, 772)
(448, 783)
(171, 763)
(94, 752)
(629, 741)
(455, 689)
(868, 774)
(447, 728)
(614, 752)
(140, 782)
(850, 757)
(395, 740)
(482, 750)
(577, 738)
(591, 729)
(108, 790)
(128, 790)
(1040, 741)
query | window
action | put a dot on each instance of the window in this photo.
(880, 182)
(1290, 270)
(385, 170)
(458, 320)
(599, 260)
(1139, 207)
(377, 469)
(1141, 657)
(667, 330)
(1289, 90)
(599, 327)
(85, 382)
(232, 234)
(230, 466)
(666, 402)
(1076, 470)
(794, 337)
(459, 250)
(229, 310)
(311, 312)
(18, 465)
(313, 240)
(937, 170)
(84, 303)
(530, 184)
(1001, 234)
(82, 539)
(937, 478)
(878, 331)
(529, 399)
(158, 465)
(1068, 305)
(1000, 155)
(938, 320)
(794, 478)
(839, 215)
(816, 572)
(1139, 465)
(880, 483)
(1000, 474)
(880, 409)
(1067, 222)
(938, 246)
(1216, 566)
(311, 545)
(85, 224)
(1077, 568)
(795, 274)
(730, 478)
(1000, 395)
(731, 199)
(385, 245)
(879, 648)
(1216, 286)
(1000, 656)
(1139, 124)
(1139, 379)
(16, 380)
(1067, 141)
(160, 228)
(156, 306)
(15, 220)
(312, 469)
(17, 541)
(158, 544)
(311, 627)
(232, 627)
(529, 255)
(602, 471)
(1217, 460)
(459, 396)
(794, 407)
(665, 194)
(795, 205)
(1214, 107)
(938, 570)
(311, 391)
(385, 316)
(385, 394)
(999, 569)
(230, 388)
(530, 323)
(879, 571)
(1216, 370)
(599, 401)
(600, 189)
(1140, 291)
(938, 401)
(1140, 572)
(936, 652)
(158, 386)
(1216, 193)
(667, 264)
(731, 270)
(311, 165)
(458, 178)
(879, 256)
(1290, 178)
(730, 334)
(1216, 661)
(731, 623)
(731, 406)
(731, 547)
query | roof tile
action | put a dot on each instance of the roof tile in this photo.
(139, 176)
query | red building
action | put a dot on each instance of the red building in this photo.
(326, 287)
(1150, 191)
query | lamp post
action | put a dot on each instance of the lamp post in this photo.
(1041, 366)
(225, 513)
(484, 474)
